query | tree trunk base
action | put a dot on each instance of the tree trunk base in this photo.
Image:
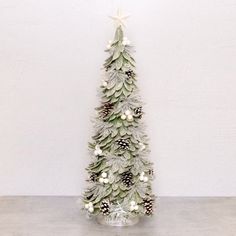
(118, 221)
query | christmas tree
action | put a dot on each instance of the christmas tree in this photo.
(120, 174)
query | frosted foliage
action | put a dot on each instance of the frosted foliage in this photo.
(120, 175)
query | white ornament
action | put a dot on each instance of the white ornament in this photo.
(104, 83)
(128, 112)
(101, 180)
(104, 174)
(99, 151)
(91, 209)
(125, 41)
(123, 117)
(145, 179)
(131, 208)
(90, 204)
(86, 206)
(130, 118)
(141, 178)
(132, 203)
(105, 181)
(142, 146)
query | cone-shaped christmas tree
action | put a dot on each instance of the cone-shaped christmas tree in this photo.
(119, 174)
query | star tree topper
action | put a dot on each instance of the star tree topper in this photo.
(119, 18)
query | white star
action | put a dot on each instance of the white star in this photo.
(119, 18)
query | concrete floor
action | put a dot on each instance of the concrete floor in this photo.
(59, 216)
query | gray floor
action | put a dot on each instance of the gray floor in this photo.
(57, 216)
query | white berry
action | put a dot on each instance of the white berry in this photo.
(104, 84)
(132, 203)
(104, 174)
(101, 180)
(90, 204)
(145, 179)
(141, 178)
(99, 151)
(136, 207)
(123, 117)
(131, 208)
(130, 118)
(96, 152)
(128, 112)
(108, 46)
(142, 146)
(105, 181)
(91, 209)
(86, 206)
(125, 41)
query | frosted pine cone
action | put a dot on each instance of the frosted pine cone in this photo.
(127, 178)
(105, 109)
(105, 209)
(138, 112)
(93, 177)
(123, 143)
(148, 205)
(130, 74)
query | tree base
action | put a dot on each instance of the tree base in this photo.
(117, 221)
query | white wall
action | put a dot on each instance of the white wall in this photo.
(51, 53)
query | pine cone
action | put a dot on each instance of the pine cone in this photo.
(93, 177)
(138, 112)
(130, 74)
(127, 178)
(105, 109)
(105, 209)
(123, 143)
(151, 172)
(148, 205)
